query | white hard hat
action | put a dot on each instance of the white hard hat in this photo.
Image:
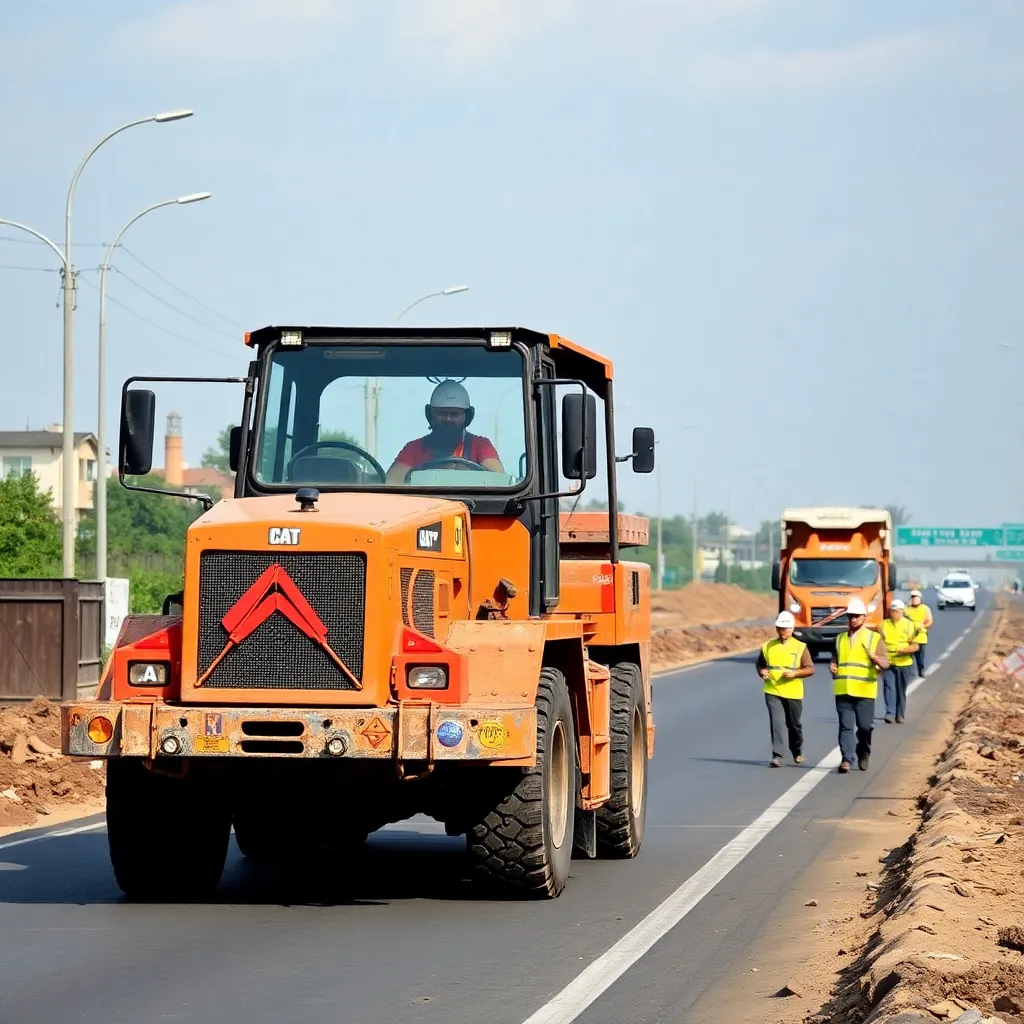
(897, 604)
(915, 593)
(785, 620)
(450, 394)
(856, 607)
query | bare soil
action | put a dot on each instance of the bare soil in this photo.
(921, 897)
(36, 780)
(702, 604)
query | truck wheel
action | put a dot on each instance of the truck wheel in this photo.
(523, 839)
(620, 823)
(168, 837)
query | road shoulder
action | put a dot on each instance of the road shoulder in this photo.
(902, 911)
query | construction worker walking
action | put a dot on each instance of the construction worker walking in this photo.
(921, 615)
(860, 656)
(900, 636)
(783, 664)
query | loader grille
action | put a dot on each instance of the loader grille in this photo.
(423, 601)
(277, 654)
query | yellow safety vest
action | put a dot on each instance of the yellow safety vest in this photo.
(857, 675)
(780, 655)
(896, 635)
(917, 613)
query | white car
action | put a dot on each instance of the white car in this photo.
(956, 591)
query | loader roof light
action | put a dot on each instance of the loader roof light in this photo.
(291, 339)
(99, 729)
(500, 339)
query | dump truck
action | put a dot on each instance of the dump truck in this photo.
(355, 644)
(828, 556)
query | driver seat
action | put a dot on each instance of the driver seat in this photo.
(315, 469)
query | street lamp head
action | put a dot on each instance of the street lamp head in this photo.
(171, 115)
(195, 197)
(455, 289)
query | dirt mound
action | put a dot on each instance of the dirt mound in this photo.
(676, 647)
(699, 604)
(35, 778)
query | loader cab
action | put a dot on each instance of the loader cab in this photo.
(355, 410)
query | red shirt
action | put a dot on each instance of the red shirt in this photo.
(415, 453)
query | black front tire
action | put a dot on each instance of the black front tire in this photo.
(620, 822)
(168, 836)
(522, 838)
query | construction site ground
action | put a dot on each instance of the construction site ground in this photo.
(915, 911)
(39, 786)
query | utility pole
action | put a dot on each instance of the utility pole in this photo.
(659, 573)
(695, 553)
(727, 554)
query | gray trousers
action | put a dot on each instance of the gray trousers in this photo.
(856, 722)
(784, 714)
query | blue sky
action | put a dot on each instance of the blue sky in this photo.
(796, 224)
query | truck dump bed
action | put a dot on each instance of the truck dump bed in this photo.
(590, 529)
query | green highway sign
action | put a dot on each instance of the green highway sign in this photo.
(951, 536)
(1011, 556)
(1014, 534)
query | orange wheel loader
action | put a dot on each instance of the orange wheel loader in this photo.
(397, 612)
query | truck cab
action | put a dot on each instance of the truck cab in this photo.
(828, 556)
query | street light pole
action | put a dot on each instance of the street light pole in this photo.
(100, 486)
(371, 390)
(68, 290)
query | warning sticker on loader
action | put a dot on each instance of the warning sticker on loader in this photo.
(492, 734)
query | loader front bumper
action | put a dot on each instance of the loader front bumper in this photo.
(403, 732)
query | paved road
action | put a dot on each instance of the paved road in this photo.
(408, 940)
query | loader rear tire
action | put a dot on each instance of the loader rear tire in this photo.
(168, 837)
(523, 836)
(620, 822)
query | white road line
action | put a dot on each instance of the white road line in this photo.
(603, 972)
(956, 643)
(59, 833)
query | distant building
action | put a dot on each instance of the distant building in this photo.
(40, 452)
(176, 472)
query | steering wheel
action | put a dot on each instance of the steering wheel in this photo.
(339, 444)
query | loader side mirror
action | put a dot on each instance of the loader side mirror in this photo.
(234, 448)
(643, 450)
(891, 581)
(776, 577)
(579, 436)
(138, 421)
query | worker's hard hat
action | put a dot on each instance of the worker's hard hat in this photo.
(450, 394)
(856, 607)
(915, 593)
(897, 605)
(785, 620)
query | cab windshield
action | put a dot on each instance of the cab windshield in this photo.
(380, 413)
(833, 572)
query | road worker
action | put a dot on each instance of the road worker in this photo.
(783, 664)
(449, 412)
(921, 615)
(860, 656)
(900, 636)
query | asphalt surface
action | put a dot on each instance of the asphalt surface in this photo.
(403, 936)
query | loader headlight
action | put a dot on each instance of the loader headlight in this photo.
(147, 673)
(794, 607)
(872, 606)
(427, 677)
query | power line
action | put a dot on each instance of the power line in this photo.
(18, 240)
(159, 327)
(42, 270)
(170, 305)
(181, 291)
